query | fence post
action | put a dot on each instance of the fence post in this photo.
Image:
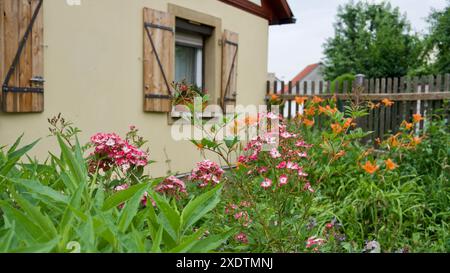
(359, 85)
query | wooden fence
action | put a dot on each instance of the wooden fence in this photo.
(422, 95)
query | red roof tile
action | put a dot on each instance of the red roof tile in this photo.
(300, 76)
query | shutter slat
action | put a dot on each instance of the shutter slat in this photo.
(17, 19)
(230, 51)
(158, 74)
(37, 49)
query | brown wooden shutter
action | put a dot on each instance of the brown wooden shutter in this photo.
(21, 56)
(159, 59)
(230, 48)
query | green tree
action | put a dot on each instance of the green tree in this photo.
(437, 51)
(372, 39)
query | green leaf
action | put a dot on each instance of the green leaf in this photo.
(200, 206)
(6, 239)
(65, 224)
(168, 216)
(25, 228)
(15, 145)
(38, 188)
(131, 208)
(38, 248)
(157, 241)
(43, 221)
(211, 242)
(74, 162)
(15, 156)
(122, 196)
(188, 242)
(231, 141)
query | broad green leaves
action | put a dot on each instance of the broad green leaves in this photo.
(72, 210)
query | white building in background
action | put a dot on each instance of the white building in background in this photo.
(311, 73)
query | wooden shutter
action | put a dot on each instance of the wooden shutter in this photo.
(230, 48)
(21, 56)
(159, 59)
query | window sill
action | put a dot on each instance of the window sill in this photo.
(179, 113)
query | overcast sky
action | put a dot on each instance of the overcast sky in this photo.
(292, 47)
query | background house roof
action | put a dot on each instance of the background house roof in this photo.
(303, 74)
(277, 12)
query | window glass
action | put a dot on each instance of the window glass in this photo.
(189, 58)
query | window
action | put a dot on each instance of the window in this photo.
(190, 40)
(189, 58)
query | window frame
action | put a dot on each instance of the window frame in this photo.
(192, 27)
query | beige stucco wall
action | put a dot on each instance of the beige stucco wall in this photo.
(93, 73)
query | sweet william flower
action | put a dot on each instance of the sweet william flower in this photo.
(172, 186)
(267, 183)
(309, 188)
(283, 180)
(274, 153)
(314, 241)
(242, 238)
(110, 150)
(207, 173)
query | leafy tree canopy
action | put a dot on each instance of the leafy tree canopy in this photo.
(438, 42)
(372, 39)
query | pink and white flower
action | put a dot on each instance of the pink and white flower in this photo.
(172, 186)
(274, 153)
(207, 172)
(267, 183)
(314, 242)
(283, 180)
(308, 187)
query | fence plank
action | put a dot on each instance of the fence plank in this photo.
(290, 101)
(388, 123)
(382, 115)
(440, 82)
(394, 112)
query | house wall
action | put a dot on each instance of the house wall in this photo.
(316, 76)
(94, 74)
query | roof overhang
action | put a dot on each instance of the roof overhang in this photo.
(277, 12)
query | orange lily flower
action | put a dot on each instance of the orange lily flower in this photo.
(417, 118)
(340, 154)
(378, 141)
(274, 97)
(322, 110)
(200, 146)
(337, 128)
(387, 102)
(316, 99)
(373, 105)
(370, 168)
(332, 110)
(407, 125)
(311, 111)
(308, 122)
(301, 100)
(390, 165)
(393, 141)
(416, 141)
(250, 120)
(347, 123)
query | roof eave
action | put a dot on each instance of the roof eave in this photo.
(277, 12)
